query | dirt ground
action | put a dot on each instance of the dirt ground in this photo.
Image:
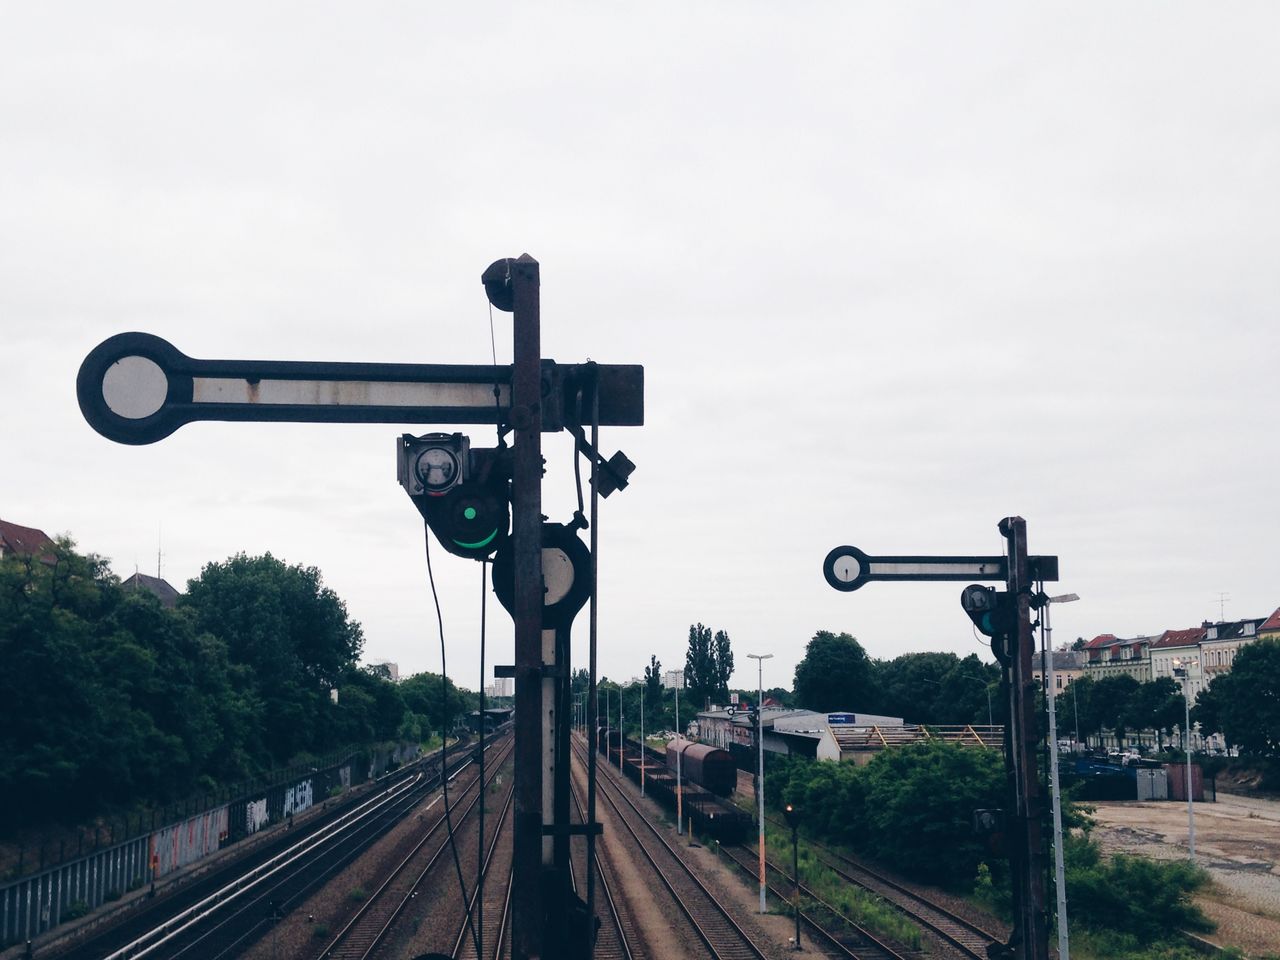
(1237, 841)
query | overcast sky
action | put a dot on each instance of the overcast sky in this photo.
(894, 272)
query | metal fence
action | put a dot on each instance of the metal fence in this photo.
(39, 902)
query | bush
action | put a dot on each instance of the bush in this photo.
(918, 809)
(1147, 899)
(356, 894)
(75, 910)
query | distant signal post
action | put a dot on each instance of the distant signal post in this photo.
(1006, 618)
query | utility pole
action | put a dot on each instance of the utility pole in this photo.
(1027, 853)
(760, 658)
(535, 705)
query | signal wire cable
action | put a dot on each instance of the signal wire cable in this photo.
(444, 741)
(497, 396)
(480, 874)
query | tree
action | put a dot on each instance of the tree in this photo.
(1245, 703)
(1156, 705)
(293, 634)
(935, 688)
(1209, 707)
(653, 681)
(700, 675)
(835, 674)
(106, 698)
(1110, 701)
(439, 702)
(723, 666)
(381, 670)
(1075, 707)
(919, 807)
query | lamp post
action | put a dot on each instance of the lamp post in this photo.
(642, 753)
(760, 658)
(679, 751)
(620, 733)
(1059, 873)
(1182, 668)
(987, 687)
(793, 821)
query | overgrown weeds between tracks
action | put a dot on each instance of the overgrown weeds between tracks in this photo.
(850, 903)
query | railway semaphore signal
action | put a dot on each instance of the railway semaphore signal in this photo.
(136, 388)
(1006, 618)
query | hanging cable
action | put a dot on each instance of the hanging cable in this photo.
(444, 744)
(497, 394)
(484, 566)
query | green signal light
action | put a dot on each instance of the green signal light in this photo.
(479, 543)
(469, 513)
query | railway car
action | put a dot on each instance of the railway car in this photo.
(710, 815)
(708, 766)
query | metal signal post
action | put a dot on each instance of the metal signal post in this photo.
(1006, 618)
(136, 388)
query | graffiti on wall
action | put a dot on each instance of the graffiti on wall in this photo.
(186, 842)
(298, 797)
(255, 815)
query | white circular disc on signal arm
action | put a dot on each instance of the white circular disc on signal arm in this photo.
(557, 575)
(846, 568)
(135, 388)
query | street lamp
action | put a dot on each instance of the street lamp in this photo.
(793, 821)
(1059, 873)
(1182, 669)
(760, 658)
(642, 748)
(679, 753)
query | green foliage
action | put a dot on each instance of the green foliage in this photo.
(75, 910)
(835, 674)
(108, 700)
(653, 680)
(1096, 944)
(937, 688)
(439, 703)
(1156, 705)
(1244, 705)
(1145, 899)
(1109, 704)
(105, 696)
(356, 894)
(911, 806)
(708, 665)
(919, 805)
(995, 897)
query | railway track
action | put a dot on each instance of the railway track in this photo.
(490, 912)
(722, 936)
(227, 920)
(847, 939)
(369, 927)
(965, 936)
(617, 931)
